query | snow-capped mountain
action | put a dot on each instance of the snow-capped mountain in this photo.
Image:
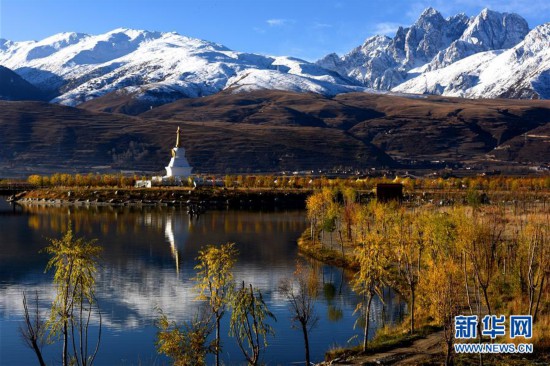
(432, 42)
(489, 55)
(520, 72)
(79, 67)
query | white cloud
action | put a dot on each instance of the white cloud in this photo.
(318, 25)
(278, 22)
(386, 28)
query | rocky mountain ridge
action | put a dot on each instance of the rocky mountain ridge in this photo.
(431, 43)
(152, 68)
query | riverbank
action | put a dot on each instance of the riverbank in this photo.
(393, 347)
(208, 198)
(322, 253)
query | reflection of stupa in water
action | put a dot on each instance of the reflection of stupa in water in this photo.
(179, 166)
(176, 233)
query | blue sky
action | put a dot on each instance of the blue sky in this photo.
(303, 28)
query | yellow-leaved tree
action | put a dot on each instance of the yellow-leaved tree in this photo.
(301, 292)
(186, 345)
(374, 262)
(249, 322)
(75, 263)
(214, 282)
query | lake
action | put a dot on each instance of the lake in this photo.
(148, 263)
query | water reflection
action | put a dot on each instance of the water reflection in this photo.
(148, 263)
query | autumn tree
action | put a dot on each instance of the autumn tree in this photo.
(535, 259)
(187, 344)
(35, 180)
(408, 244)
(33, 332)
(348, 212)
(482, 238)
(249, 322)
(214, 282)
(374, 261)
(301, 292)
(443, 299)
(75, 263)
(367, 281)
(440, 287)
(317, 206)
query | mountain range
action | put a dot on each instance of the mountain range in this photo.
(274, 131)
(490, 55)
(82, 103)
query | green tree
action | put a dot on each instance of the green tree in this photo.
(248, 323)
(215, 281)
(75, 263)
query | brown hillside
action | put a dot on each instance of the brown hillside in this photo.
(408, 129)
(274, 131)
(44, 137)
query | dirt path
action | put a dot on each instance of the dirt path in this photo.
(429, 348)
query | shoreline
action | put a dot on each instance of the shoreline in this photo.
(207, 198)
(325, 255)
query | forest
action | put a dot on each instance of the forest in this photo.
(462, 256)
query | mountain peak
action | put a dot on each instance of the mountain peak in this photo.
(428, 12)
(487, 13)
(428, 17)
(435, 43)
(494, 30)
(165, 66)
(63, 38)
(376, 39)
(134, 34)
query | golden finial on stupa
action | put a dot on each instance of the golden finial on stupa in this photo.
(178, 138)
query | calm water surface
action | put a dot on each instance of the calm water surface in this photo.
(148, 261)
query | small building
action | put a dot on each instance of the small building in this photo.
(143, 184)
(386, 192)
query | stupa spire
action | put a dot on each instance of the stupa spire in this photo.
(179, 166)
(178, 138)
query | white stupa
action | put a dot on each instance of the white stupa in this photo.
(178, 167)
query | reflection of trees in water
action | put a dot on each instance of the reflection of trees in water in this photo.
(338, 296)
(139, 270)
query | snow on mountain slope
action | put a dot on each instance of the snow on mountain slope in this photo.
(255, 79)
(432, 42)
(454, 56)
(520, 72)
(454, 80)
(489, 30)
(51, 62)
(82, 67)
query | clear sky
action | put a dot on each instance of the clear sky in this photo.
(307, 29)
